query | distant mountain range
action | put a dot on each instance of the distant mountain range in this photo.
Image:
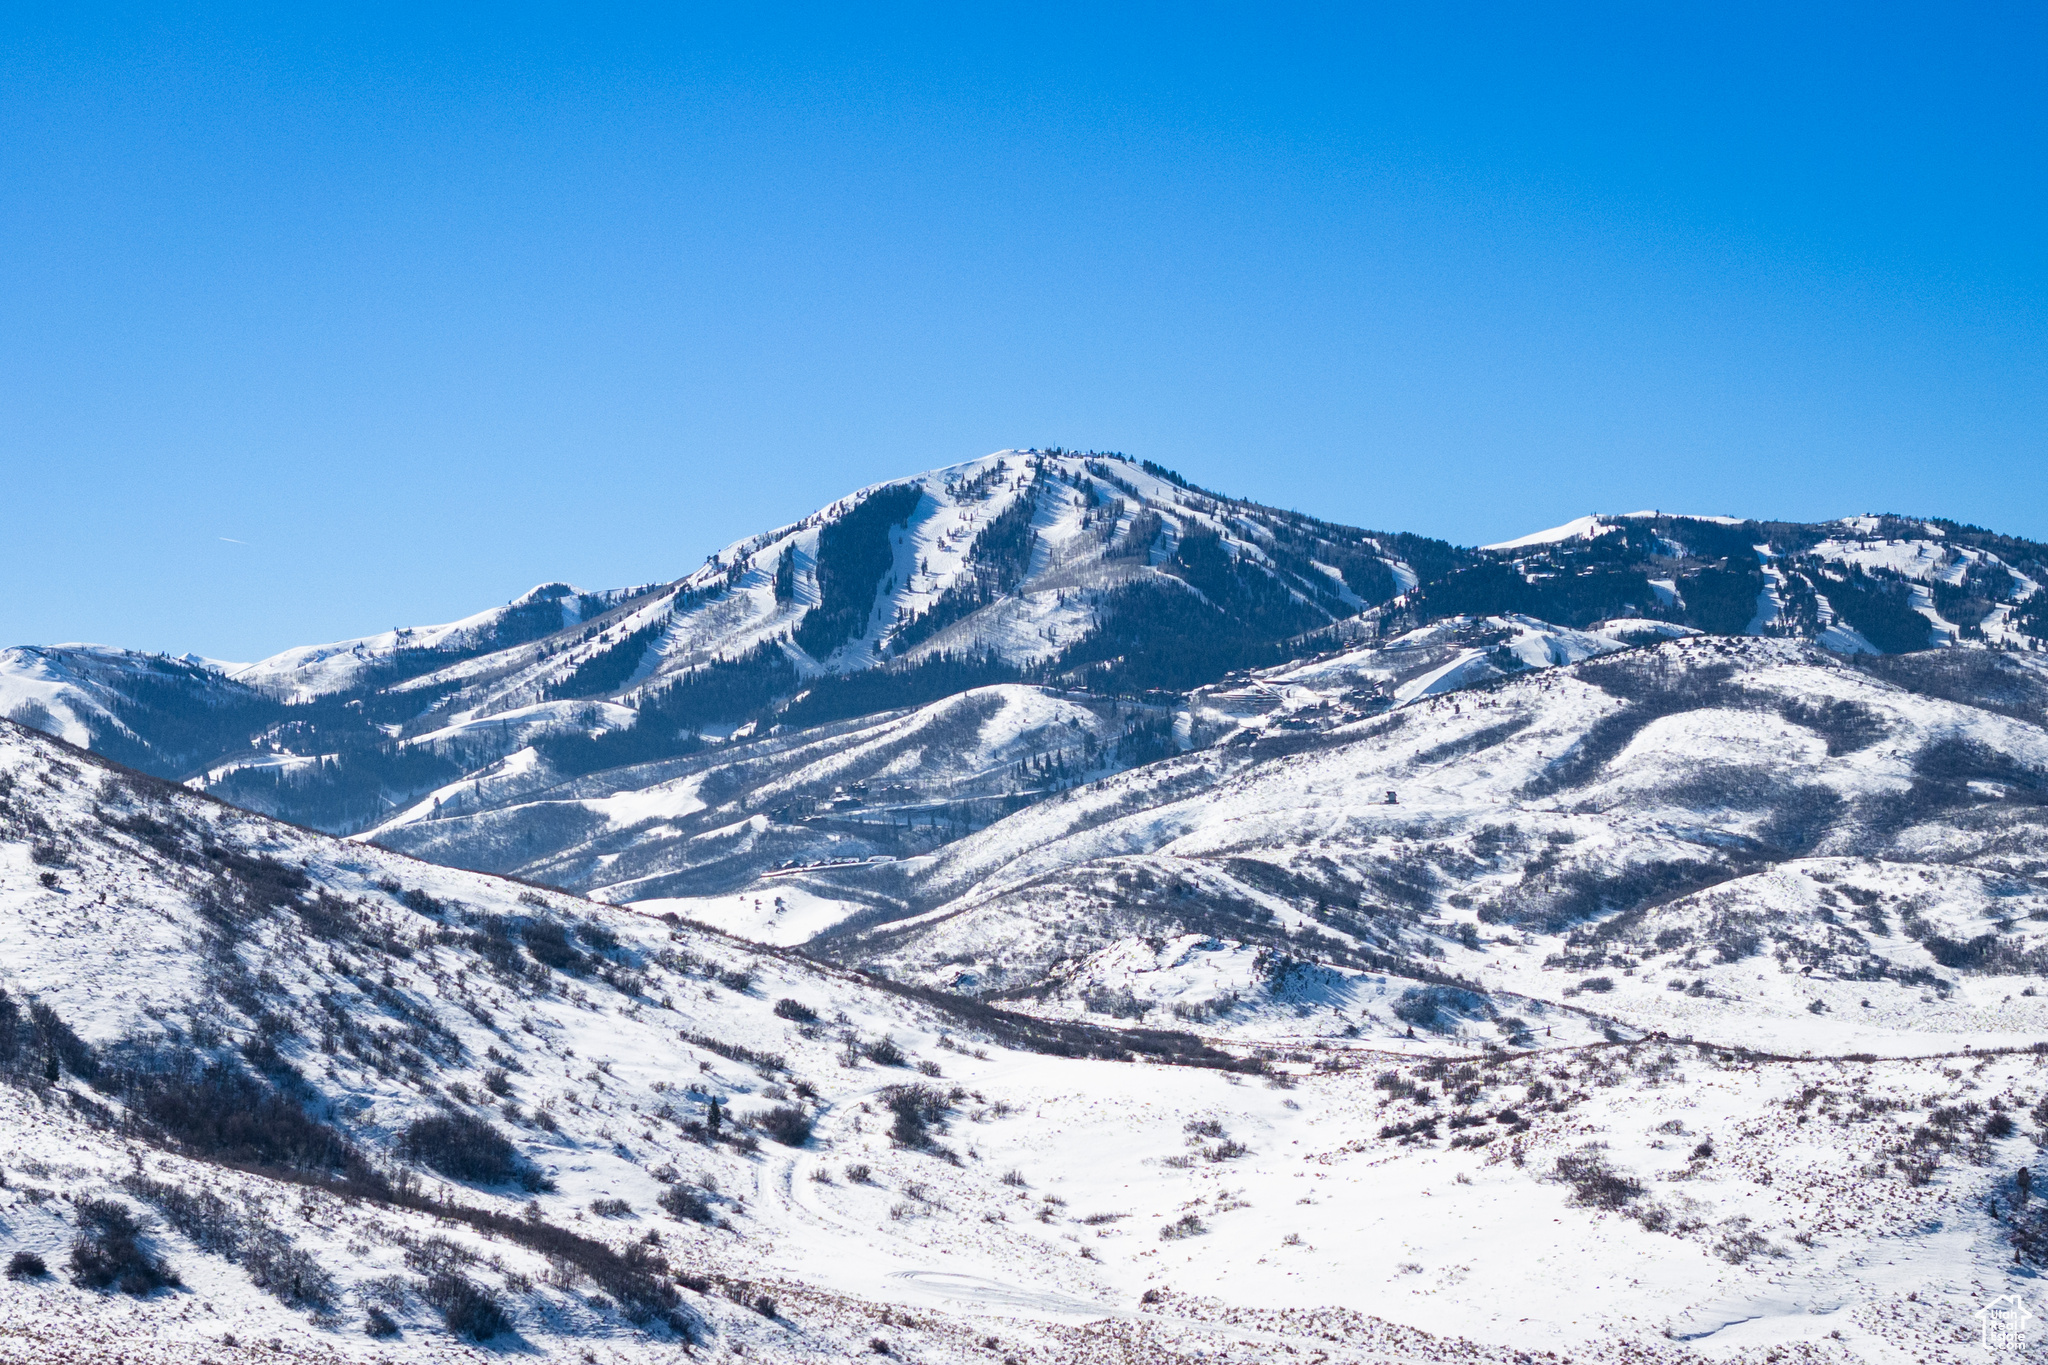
(926, 656)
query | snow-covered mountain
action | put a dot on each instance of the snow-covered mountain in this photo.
(1682, 1005)
(1158, 616)
(1023, 566)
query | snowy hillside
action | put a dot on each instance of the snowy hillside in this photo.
(114, 701)
(402, 653)
(1462, 834)
(265, 1093)
(876, 788)
(1867, 584)
(902, 783)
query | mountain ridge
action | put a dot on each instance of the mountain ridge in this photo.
(1082, 573)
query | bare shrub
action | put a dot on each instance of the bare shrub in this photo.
(207, 1221)
(1737, 1242)
(434, 1253)
(107, 1253)
(465, 1147)
(550, 946)
(1115, 1002)
(686, 1202)
(388, 1290)
(288, 1272)
(787, 1124)
(918, 1109)
(217, 1111)
(1437, 1008)
(1417, 1129)
(1595, 1184)
(469, 1309)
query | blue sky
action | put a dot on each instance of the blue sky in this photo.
(316, 325)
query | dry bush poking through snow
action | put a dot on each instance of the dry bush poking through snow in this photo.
(687, 1202)
(1595, 1184)
(469, 1309)
(918, 1109)
(464, 1147)
(787, 1124)
(107, 1253)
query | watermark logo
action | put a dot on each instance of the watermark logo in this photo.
(2005, 1321)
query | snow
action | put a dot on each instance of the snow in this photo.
(1941, 631)
(1014, 883)
(1461, 672)
(1837, 635)
(1590, 527)
(1579, 528)
(1920, 559)
(780, 913)
(1259, 892)
(1428, 661)
(667, 801)
(310, 670)
(1770, 602)
(32, 682)
(853, 790)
